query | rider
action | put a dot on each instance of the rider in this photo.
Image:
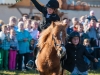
(49, 13)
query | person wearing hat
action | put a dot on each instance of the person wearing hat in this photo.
(48, 12)
(74, 62)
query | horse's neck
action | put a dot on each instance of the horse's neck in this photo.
(49, 40)
(50, 46)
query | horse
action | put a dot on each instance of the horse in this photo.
(51, 49)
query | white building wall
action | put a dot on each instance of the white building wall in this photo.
(8, 1)
(78, 14)
(1, 1)
(5, 13)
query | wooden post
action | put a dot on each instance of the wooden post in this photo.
(31, 8)
(19, 10)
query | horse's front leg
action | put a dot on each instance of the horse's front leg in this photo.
(55, 73)
(42, 73)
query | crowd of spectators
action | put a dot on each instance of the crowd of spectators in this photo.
(18, 39)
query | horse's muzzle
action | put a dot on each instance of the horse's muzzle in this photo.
(63, 51)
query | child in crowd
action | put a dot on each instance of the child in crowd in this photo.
(12, 23)
(25, 17)
(75, 56)
(75, 22)
(82, 19)
(86, 25)
(69, 30)
(34, 32)
(30, 64)
(13, 50)
(90, 50)
(83, 35)
(32, 44)
(28, 25)
(5, 46)
(91, 30)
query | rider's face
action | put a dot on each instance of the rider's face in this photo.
(50, 10)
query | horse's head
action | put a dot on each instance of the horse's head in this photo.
(58, 36)
(55, 36)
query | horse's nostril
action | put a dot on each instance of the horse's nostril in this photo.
(61, 52)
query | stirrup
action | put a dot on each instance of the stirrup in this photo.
(30, 64)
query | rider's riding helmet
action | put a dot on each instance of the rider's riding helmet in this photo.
(74, 34)
(53, 4)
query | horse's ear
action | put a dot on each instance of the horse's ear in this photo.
(64, 22)
(65, 25)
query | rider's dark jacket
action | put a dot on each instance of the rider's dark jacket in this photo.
(48, 18)
(75, 57)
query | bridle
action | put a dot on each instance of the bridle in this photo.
(62, 46)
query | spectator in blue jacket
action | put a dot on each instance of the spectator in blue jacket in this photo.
(23, 38)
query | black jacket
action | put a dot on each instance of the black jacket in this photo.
(75, 58)
(31, 47)
(52, 17)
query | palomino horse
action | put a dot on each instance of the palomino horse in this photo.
(51, 49)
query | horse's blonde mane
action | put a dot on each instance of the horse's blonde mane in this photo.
(45, 34)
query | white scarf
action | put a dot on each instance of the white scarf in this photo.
(2, 35)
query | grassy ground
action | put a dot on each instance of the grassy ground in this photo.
(33, 72)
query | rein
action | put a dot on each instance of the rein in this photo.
(56, 43)
(62, 71)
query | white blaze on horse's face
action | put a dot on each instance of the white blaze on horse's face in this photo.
(61, 50)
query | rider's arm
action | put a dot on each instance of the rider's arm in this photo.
(38, 6)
